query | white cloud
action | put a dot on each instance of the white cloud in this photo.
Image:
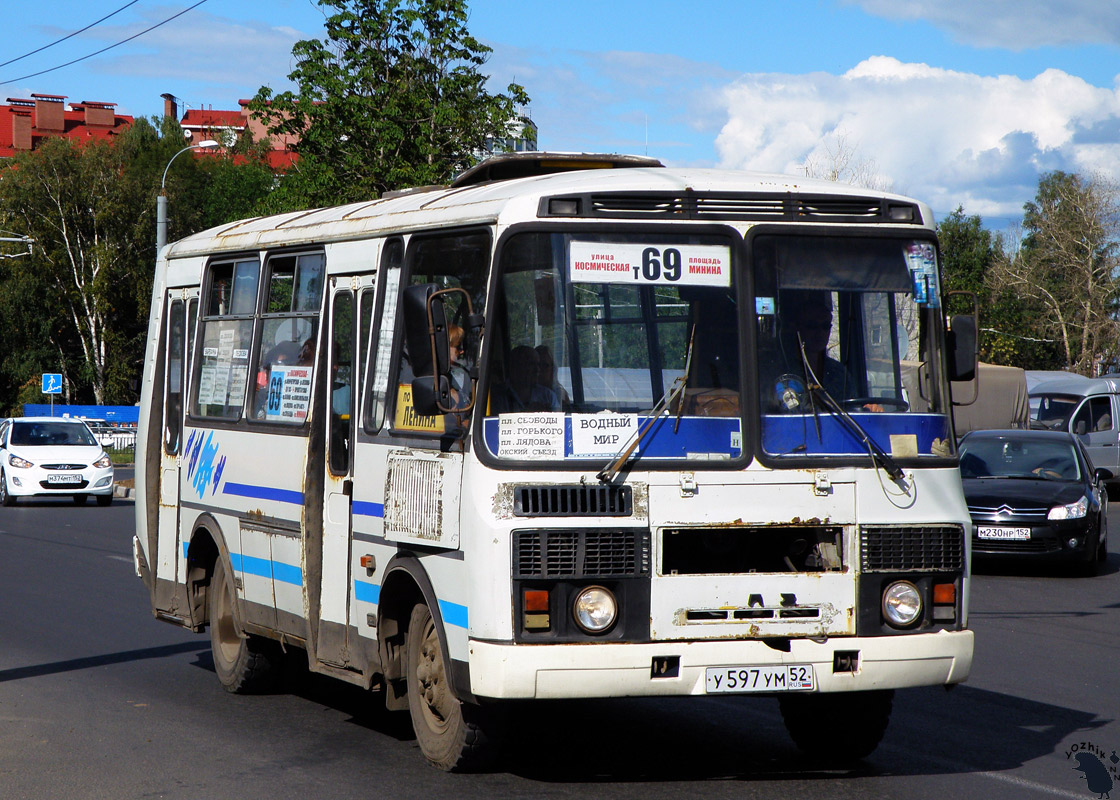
(1012, 24)
(946, 137)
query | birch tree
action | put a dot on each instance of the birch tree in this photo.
(1068, 267)
(74, 301)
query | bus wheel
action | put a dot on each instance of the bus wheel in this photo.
(450, 732)
(841, 726)
(244, 664)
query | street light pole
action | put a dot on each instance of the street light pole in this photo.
(161, 200)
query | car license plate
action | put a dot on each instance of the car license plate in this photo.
(788, 678)
(1012, 534)
(63, 478)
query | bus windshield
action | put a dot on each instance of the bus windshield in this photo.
(844, 346)
(592, 330)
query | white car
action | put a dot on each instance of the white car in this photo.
(47, 456)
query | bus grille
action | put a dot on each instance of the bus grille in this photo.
(937, 548)
(753, 206)
(573, 501)
(580, 553)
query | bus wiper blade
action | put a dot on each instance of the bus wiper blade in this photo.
(878, 454)
(675, 391)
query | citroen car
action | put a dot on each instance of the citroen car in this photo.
(1034, 494)
(48, 456)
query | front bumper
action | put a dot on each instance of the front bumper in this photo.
(36, 481)
(523, 671)
(1049, 540)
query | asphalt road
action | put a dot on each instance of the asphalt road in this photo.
(99, 700)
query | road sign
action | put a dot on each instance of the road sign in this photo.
(52, 383)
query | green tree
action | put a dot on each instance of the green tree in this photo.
(75, 297)
(1069, 267)
(78, 304)
(970, 256)
(392, 98)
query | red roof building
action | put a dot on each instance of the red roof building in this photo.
(24, 124)
(200, 124)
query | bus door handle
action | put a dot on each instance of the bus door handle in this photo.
(348, 487)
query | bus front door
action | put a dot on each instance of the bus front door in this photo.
(182, 308)
(333, 644)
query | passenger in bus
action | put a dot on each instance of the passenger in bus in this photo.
(523, 392)
(307, 352)
(547, 376)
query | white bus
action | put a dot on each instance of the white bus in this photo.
(572, 427)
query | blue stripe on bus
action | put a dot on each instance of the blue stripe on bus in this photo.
(263, 493)
(251, 565)
(287, 573)
(366, 509)
(265, 568)
(453, 614)
(367, 592)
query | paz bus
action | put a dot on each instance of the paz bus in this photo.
(574, 426)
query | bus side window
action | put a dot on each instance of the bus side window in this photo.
(222, 372)
(288, 339)
(342, 382)
(462, 261)
(173, 386)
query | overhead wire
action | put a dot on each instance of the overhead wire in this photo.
(105, 49)
(69, 35)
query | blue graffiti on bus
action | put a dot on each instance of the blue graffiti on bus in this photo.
(202, 458)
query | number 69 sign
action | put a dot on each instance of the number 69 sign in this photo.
(681, 265)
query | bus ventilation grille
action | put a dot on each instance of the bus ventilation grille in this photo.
(937, 548)
(742, 206)
(581, 554)
(573, 501)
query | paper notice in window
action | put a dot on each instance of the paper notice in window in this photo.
(531, 436)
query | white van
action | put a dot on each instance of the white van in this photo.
(1089, 408)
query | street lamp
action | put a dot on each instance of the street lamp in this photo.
(161, 200)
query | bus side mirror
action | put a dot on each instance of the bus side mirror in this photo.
(429, 347)
(431, 396)
(962, 348)
(425, 327)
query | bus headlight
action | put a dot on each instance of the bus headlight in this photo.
(595, 609)
(902, 604)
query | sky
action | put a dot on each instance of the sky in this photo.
(959, 103)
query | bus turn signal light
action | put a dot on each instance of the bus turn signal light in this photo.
(536, 600)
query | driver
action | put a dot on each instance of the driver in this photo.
(810, 322)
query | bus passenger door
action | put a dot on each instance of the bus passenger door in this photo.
(182, 310)
(338, 477)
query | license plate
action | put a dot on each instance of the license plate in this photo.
(62, 478)
(788, 678)
(1012, 534)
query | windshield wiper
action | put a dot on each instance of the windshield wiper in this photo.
(675, 391)
(878, 455)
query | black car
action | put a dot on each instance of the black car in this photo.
(1034, 495)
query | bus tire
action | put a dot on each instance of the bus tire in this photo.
(837, 727)
(244, 664)
(450, 732)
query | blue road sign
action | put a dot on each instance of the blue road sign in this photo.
(52, 383)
